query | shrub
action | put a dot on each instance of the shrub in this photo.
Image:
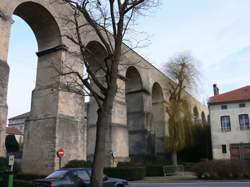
(22, 183)
(152, 167)
(154, 170)
(11, 144)
(222, 169)
(19, 183)
(3, 164)
(128, 173)
(147, 160)
(78, 164)
(130, 164)
(28, 177)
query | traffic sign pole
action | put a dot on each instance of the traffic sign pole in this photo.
(60, 154)
(60, 162)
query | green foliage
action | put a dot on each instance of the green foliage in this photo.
(154, 170)
(3, 164)
(11, 144)
(17, 182)
(128, 173)
(184, 74)
(180, 123)
(153, 165)
(222, 169)
(145, 161)
(129, 164)
(22, 183)
(28, 177)
(78, 164)
(200, 147)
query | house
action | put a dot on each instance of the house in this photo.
(18, 122)
(16, 127)
(229, 120)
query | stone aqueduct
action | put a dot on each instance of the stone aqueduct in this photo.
(57, 115)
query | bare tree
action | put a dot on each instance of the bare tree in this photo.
(184, 75)
(110, 20)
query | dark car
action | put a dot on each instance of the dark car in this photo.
(79, 177)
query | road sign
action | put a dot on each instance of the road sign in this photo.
(60, 153)
(11, 160)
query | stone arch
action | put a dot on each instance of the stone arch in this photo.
(203, 118)
(134, 81)
(158, 123)
(42, 23)
(195, 114)
(95, 57)
(135, 108)
(52, 112)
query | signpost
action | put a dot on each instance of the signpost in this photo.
(60, 154)
(8, 175)
(11, 162)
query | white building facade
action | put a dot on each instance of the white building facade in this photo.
(18, 122)
(229, 120)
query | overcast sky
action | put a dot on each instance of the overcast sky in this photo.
(215, 32)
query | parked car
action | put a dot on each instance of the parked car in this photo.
(75, 177)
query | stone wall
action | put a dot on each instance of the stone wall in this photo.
(57, 115)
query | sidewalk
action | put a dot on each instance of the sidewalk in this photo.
(187, 177)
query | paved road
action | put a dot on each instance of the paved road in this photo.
(195, 184)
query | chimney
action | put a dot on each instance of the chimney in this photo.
(216, 89)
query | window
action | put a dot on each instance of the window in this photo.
(244, 121)
(225, 123)
(224, 148)
(82, 174)
(242, 105)
(223, 107)
(57, 174)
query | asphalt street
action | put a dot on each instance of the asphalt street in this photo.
(194, 184)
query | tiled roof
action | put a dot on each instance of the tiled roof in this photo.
(12, 130)
(238, 95)
(25, 115)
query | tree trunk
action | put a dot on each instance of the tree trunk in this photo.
(103, 132)
(174, 158)
(102, 139)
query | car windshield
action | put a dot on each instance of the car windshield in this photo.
(57, 174)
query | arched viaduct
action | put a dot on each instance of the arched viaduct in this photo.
(139, 120)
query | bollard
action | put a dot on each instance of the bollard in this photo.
(8, 179)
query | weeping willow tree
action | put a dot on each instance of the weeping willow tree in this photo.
(182, 71)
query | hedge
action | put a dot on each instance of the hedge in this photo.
(78, 164)
(19, 183)
(28, 177)
(222, 169)
(154, 170)
(22, 183)
(128, 173)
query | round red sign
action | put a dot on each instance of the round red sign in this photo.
(60, 153)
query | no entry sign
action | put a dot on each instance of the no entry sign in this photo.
(60, 153)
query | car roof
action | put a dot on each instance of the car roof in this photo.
(74, 169)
